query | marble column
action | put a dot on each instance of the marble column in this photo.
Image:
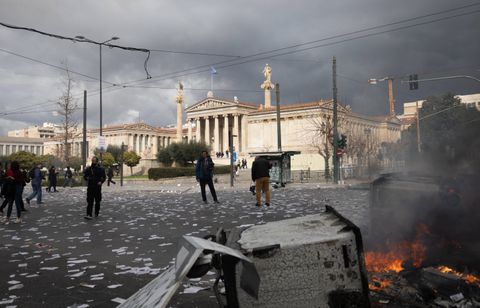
(225, 133)
(237, 133)
(208, 141)
(198, 131)
(244, 134)
(216, 135)
(154, 144)
(189, 134)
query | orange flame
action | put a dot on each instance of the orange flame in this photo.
(398, 253)
(378, 284)
(469, 278)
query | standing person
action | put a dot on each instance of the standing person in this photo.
(68, 177)
(95, 177)
(22, 179)
(2, 176)
(261, 177)
(14, 178)
(36, 175)
(110, 176)
(204, 174)
(52, 179)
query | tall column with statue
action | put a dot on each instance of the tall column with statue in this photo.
(267, 85)
(179, 100)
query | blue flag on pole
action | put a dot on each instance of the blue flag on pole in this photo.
(213, 70)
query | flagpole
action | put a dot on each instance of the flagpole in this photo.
(211, 81)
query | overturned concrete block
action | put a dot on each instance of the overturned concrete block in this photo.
(310, 261)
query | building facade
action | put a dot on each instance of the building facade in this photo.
(11, 145)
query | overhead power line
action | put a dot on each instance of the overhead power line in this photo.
(74, 39)
(52, 65)
(273, 52)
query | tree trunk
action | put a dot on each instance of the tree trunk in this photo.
(131, 171)
(327, 168)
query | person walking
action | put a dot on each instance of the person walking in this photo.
(110, 176)
(68, 177)
(22, 179)
(36, 177)
(14, 178)
(95, 177)
(2, 176)
(52, 179)
(261, 177)
(204, 175)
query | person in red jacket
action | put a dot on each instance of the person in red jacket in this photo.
(14, 178)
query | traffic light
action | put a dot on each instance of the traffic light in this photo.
(342, 142)
(413, 82)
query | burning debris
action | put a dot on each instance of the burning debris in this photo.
(420, 243)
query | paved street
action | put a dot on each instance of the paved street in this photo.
(55, 258)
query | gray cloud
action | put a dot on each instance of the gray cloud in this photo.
(227, 27)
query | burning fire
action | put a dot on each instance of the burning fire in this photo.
(378, 284)
(469, 278)
(398, 253)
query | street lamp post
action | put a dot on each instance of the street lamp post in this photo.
(100, 45)
(367, 132)
(391, 100)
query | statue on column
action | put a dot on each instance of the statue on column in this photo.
(179, 100)
(267, 85)
(267, 72)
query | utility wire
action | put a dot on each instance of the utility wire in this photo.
(194, 53)
(74, 39)
(228, 63)
(189, 71)
(52, 65)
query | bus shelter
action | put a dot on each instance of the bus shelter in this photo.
(281, 172)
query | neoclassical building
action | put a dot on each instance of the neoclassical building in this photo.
(305, 127)
(254, 128)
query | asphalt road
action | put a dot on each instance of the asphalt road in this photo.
(56, 258)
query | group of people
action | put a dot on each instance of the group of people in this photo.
(14, 180)
(221, 154)
(204, 172)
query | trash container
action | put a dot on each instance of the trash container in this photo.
(309, 261)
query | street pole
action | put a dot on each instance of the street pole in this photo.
(101, 90)
(418, 130)
(84, 142)
(121, 164)
(230, 145)
(335, 128)
(279, 134)
(391, 101)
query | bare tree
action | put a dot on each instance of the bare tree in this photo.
(67, 105)
(321, 132)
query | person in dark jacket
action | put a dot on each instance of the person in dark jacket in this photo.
(110, 176)
(261, 177)
(204, 174)
(52, 179)
(68, 177)
(36, 177)
(14, 178)
(95, 177)
(2, 177)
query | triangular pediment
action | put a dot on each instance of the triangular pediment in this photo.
(210, 103)
(139, 126)
(340, 107)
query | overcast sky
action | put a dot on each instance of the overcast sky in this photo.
(29, 89)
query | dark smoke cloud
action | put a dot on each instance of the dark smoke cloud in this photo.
(233, 28)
